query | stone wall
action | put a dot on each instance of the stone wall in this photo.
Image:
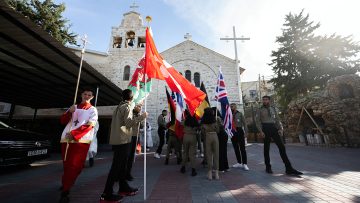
(336, 109)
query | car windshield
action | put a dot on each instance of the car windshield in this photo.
(3, 125)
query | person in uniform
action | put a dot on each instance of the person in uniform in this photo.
(75, 140)
(189, 142)
(210, 128)
(173, 143)
(238, 138)
(269, 125)
(121, 133)
(223, 140)
(161, 133)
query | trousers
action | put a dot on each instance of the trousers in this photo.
(271, 131)
(238, 142)
(189, 144)
(161, 133)
(76, 156)
(118, 168)
(212, 151)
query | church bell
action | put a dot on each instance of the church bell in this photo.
(131, 42)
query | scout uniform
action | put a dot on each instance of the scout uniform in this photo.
(238, 140)
(212, 147)
(268, 122)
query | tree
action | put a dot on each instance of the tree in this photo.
(47, 15)
(305, 61)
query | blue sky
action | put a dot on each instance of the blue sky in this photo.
(208, 20)
(95, 18)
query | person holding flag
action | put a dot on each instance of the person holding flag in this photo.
(75, 139)
(175, 131)
(226, 118)
(122, 125)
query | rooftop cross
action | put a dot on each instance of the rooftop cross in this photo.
(134, 6)
(187, 36)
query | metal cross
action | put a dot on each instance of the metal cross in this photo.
(235, 39)
(134, 6)
(76, 122)
(85, 41)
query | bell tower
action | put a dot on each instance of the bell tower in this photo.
(130, 34)
(126, 47)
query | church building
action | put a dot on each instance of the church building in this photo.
(194, 61)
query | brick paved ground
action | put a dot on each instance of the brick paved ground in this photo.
(331, 175)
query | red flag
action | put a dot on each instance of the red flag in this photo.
(153, 60)
(158, 68)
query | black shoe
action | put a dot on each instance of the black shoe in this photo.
(167, 161)
(293, 172)
(129, 191)
(193, 172)
(182, 170)
(269, 170)
(64, 197)
(129, 178)
(91, 162)
(111, 198)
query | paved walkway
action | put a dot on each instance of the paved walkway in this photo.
(330, 175)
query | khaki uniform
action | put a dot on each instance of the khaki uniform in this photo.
(268, 122)
(267, 115)
(175, 143)
(189, 143)
(212, 145)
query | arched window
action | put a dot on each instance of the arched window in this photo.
(127, 72)
(188, 75)
(197, 79)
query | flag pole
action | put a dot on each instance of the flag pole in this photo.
(148, 19)
(85, 41)
(217, 96)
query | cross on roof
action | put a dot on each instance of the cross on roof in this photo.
(134, 6)
(187, 36)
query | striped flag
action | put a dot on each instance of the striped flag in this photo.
(222, 97)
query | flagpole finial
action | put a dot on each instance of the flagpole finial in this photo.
(148, 20)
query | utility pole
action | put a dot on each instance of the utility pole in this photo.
(235, 39)
(260, 96)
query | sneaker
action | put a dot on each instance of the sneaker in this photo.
(237, 165)
(245, 167)
(202, 155)
(293, 172)
(129, 192)
(110, 198)
(157, 156)
(148, 149)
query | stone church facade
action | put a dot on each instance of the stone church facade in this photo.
(196, 62)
